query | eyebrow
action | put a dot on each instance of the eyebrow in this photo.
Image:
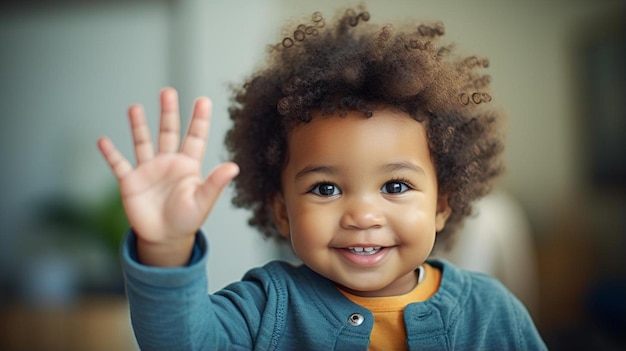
(388, 168)
(405, 165)
(316, 169)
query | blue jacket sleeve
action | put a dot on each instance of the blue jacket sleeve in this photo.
(171, 309)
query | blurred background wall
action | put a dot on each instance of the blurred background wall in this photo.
(69, 70)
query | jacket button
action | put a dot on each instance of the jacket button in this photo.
(356, 319)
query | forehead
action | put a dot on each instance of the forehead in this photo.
(382, 122)
(355, 138)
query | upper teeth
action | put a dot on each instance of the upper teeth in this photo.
(364, 250)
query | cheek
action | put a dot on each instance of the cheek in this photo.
(414, 222)
(305, 226)
(311, 225)
(417, 234)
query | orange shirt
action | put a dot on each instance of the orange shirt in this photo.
(389, 332)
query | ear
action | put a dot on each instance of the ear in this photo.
(279, 210)
(443, 213)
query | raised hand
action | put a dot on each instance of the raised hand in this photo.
(165, 197)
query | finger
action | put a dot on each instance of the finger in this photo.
(144, 151)
(117, 162)
(217, 180)
(197, 134)
(169, 130)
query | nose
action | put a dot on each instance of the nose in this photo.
(362, 213)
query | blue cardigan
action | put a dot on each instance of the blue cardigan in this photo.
(286, 307)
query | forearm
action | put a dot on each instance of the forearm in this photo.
(167, 304)
(171, 309)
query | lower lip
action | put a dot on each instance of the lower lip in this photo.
(365, 260)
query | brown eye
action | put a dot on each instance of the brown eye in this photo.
(394, 188)
(325, 189)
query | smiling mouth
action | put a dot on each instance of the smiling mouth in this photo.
(364, 251)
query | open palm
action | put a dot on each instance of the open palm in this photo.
(165, 197)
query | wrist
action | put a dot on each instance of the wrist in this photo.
(173, 253)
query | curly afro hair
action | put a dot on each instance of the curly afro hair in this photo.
(354, 65)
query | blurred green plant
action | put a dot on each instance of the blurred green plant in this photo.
(104, 220)
(85, 234)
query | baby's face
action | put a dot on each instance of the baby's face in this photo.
(359, 200)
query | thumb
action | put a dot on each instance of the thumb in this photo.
(216, 181)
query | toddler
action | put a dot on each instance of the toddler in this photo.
(360, 146)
